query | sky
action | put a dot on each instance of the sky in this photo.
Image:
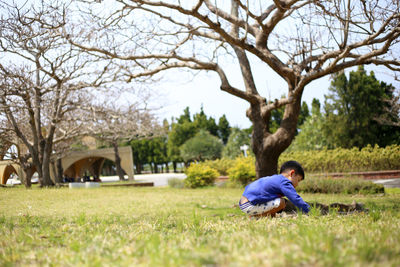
(203, 90)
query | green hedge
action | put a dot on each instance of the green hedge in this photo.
(346, 160)
(328, 161)
(339, 185)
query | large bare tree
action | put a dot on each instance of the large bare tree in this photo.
(300, 40)
(43, 79)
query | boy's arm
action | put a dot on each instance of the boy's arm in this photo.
(291, 193)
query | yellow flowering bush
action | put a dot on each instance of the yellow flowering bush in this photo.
(243, 170)
(198, 175)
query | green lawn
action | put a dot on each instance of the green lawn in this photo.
(182, 227)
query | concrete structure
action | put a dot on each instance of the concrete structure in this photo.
(76, 163)
(7, 168)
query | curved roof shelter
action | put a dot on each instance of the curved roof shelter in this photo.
(77, 162)
(7, 168)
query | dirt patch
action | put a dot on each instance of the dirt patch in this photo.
(338, 207)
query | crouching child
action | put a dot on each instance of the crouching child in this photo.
(264, 197)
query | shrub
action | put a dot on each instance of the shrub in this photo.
(339, 185)
(198, 175)
(345, 160)
(243, 171)
(220, 165)
(176, 183)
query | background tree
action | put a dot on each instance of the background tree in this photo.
(120, 125)
(69, 135)
(66, 133)
(315, 107)
(236, 139)
(186, 128)
(277, 116)
(158, 154)
(185, 117)
(139, 150)
(179, 134)
(201, 121)
(304, 114)
(152, 151)
(224, 129)
(203, 146)
(50, 81)
(351, 109)
(312, 135)
(301, 41)
(391, 115)
(5, 137)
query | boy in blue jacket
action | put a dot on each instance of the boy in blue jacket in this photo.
(264, 197)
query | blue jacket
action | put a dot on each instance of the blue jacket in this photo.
(271, 187)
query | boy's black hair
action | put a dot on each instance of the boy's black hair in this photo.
(293, 165)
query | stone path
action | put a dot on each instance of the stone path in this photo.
(159, 179)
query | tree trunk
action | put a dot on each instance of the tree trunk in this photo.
(174, 166)
(166, 167)
(38, 166)
(57, 171)
(46, 178)
(53, 168)
(266, 163)
(267, 146)
(138, 168)
(155, 167)
(28, 171)
(120, 172)
(60, 171)
(151, 167)
(27, 180)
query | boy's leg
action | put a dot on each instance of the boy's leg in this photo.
(273, 212)
(258, 210)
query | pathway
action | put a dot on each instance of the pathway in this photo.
(159, 179)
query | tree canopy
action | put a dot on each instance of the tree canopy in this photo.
(186, 128)
(351, 110)
(351, 115)
(203, 146)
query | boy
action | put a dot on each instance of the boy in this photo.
(263, 197)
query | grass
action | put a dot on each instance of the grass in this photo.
(174, 227)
